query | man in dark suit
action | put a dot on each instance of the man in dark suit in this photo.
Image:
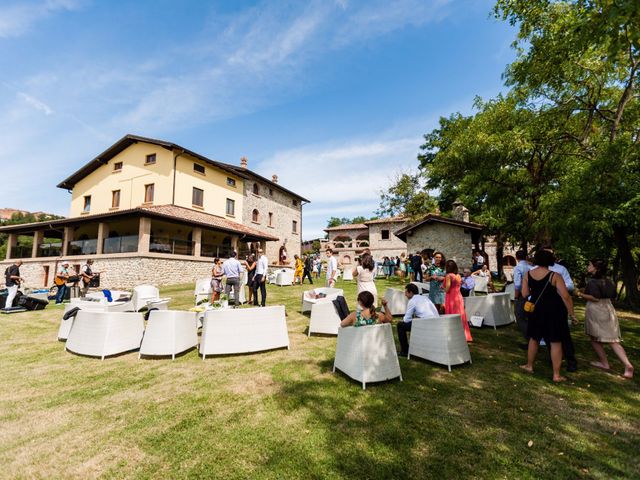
(416, 265)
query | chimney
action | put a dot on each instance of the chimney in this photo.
(243, 162)
(460, 212)
(274, 178)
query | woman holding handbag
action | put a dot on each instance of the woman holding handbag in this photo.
(548, 301)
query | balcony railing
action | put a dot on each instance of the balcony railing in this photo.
(125, 244)
(21, 251)
(83, 247)
(50, 249)
(213, 251)
(171, 245)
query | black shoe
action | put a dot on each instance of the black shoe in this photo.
(572, 366)
(403, 354)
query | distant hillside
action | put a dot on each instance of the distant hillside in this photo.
(9, 213)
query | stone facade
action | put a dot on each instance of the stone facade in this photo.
(380, 248)
(122, 272)
(453, 241)
(276, 212)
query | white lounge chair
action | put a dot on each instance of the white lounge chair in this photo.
(243, 330)
(396, 301)
(440, 340)
(169, 332)
(494, 307)
(367, 354)
(511, 290)
(348, 274)
(116, 295)
(100, 334)
(148, 296)
(284, 277)
(308, 301)
(203, 290)
(324, 318)
(482, 284)
(423, 288)
(65, 325)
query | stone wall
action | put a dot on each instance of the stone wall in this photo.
(380, 248)
(280, 204)
(121, 271)
(452, 241)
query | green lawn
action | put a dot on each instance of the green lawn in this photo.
(284, 414)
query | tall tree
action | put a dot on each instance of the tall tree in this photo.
(407, 196)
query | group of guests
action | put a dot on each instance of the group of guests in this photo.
(445, 297)
(543, 300)
(232, 269)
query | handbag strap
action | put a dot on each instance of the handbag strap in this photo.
(545, 287)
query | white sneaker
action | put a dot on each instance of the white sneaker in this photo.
(543, 343)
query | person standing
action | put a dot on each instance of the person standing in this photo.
(418, 306)
(232, 269)
(62, 275)
(519, 272)
(260, 279)
(299, 268)
(453, 302)
(402, 266)
(250, 265)
(308, 268)
(416, 266)
(601, 321)
(332, 268)
(436, 280)
(365, 275)
(217, 273)
(551, 301)
(12, 282)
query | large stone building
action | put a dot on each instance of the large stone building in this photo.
(349, 241)
(152, 211)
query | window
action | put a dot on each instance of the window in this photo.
(197, 197)
(271, 192)
(198, 168)
(148, 193)
(150, 159)
(231, 207)
(231, 182)
(294, 227)
(256, 189)
(117, 166)
(295, 203)
(385, 234)
(255, 216)
(87, 204)
(115, 199)
(271, 219)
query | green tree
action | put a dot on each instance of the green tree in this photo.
(408, 196)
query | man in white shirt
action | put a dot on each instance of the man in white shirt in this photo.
(332, 268)
(259, 279)
(232, 269)
(419, 306)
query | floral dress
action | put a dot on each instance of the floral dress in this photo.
(361, 321)
(436, 287)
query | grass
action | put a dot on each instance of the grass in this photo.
(284, 414)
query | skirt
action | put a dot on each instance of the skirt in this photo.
(601, 321)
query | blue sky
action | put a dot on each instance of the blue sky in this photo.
(333, 96)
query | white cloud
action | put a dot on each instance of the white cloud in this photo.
(17, 19)
(35, 103)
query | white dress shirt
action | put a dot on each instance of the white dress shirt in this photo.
(420, 306)
(262, 265)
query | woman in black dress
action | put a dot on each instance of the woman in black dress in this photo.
(251, 271)
(548, 321)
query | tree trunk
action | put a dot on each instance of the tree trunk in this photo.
(627, 266)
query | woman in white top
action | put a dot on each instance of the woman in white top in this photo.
(365, 275)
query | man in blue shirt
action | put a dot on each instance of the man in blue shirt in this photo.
(519, 273)
(468, 283)
(232, 269)
(419, 306)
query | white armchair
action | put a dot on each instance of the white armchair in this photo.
(396, 301)
(324, 318)
(494, 307)
(169, 332)
(203, 290)
(440, 340)
(367, 354)
(284, 277)
(308, 301)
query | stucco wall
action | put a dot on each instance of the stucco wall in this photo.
(452, 241)
(386, 248)
(284, 213)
